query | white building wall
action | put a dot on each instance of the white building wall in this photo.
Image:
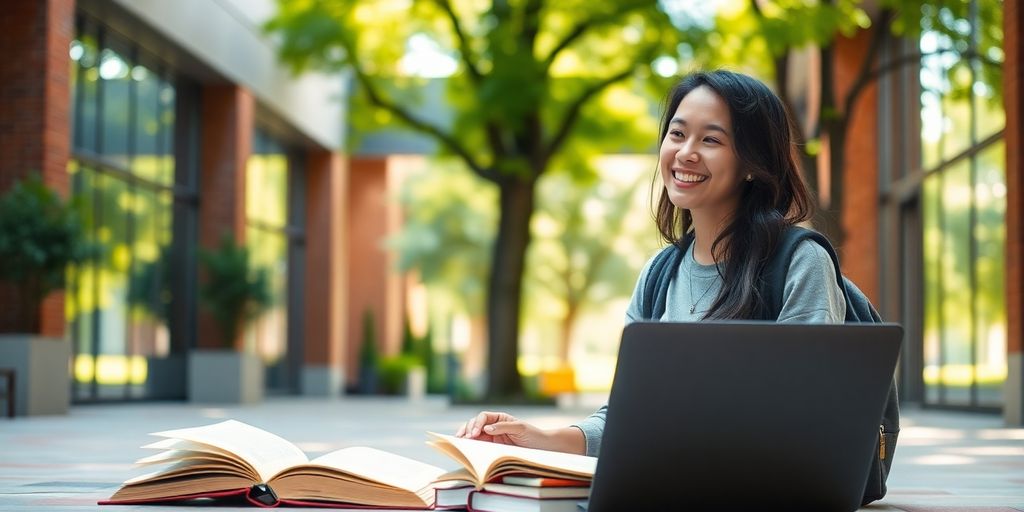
(226, 35)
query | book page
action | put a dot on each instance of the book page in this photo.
(267, 453)
(382, 467)
(222, 462)
(482, 458)
(195, 468)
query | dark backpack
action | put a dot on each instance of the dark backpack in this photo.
(858, 309)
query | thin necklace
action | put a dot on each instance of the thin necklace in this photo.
(693, 306)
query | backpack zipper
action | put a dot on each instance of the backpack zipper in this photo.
(881, 442)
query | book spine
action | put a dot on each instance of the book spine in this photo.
(185, 497)
(262, 496)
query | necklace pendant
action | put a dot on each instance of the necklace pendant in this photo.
(693, 308)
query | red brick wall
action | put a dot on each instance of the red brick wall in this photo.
(1013, 90)
(227, 121)
(35, 111)
(325, 292)
(859, 252)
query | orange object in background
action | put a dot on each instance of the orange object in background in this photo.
(554, 382)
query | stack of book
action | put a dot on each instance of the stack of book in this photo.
(236, 462)
(530, 494)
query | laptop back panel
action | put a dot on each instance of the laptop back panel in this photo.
(738, 415)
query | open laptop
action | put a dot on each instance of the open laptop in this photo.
(744, 416)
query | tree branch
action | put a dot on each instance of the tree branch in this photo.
(573, 114)
(757, 10)
(464, 49)
(445, 139)
(585, 25)
(864, 74)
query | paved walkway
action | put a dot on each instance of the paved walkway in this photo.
(946, 461)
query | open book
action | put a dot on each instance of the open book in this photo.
(484, 462)
(233, 459)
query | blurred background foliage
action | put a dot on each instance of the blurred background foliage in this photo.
(537, 92)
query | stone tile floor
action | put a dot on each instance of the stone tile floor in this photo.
(946, 461)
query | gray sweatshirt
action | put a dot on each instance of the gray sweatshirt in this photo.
(811, 295)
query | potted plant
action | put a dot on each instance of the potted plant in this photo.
(233, 292)
(368, 356)
(40, 236)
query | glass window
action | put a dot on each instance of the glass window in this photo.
(267, 236)
(116, 91)
(84, 53)
(964, 205)
(990, 272)
(123, 169)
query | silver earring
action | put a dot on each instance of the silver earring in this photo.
(750, 177)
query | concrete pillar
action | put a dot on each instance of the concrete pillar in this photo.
(1013, 90)
(35, 106)
(227, 123)
(325, 288)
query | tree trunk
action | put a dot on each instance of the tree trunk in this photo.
(833, 218)
(505, 288)
(568, 324)
(808, 163)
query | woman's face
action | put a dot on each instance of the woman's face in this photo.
(698, 161)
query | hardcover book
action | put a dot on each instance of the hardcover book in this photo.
(234, 460)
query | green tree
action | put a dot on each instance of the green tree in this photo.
(447, 233)
(575, 258)
(515, 112)
(767, 37)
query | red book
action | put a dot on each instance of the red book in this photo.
(544, 482)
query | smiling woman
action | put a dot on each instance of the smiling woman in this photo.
(731, 188)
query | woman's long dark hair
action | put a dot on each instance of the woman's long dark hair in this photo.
(775, 198)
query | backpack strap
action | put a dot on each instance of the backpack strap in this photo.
(663, 269)
(778, 266)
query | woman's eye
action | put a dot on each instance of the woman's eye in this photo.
(711, 140)
(676, 133)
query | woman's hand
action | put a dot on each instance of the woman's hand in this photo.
(503, 428)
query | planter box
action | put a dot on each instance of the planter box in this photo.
(42, 376)
(224, 377)
(166, 378)
(416, 383)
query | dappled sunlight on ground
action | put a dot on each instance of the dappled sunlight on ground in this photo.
(942, 460)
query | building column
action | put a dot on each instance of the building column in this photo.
(1013, 99)
(859, 218)
(325, 288)
(227, 123)
(373, 284)
(35, 103)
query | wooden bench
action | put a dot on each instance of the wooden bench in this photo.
(7, 374)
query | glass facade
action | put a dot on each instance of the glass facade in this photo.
(963, 203)
(274, 237)
(133, 177)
